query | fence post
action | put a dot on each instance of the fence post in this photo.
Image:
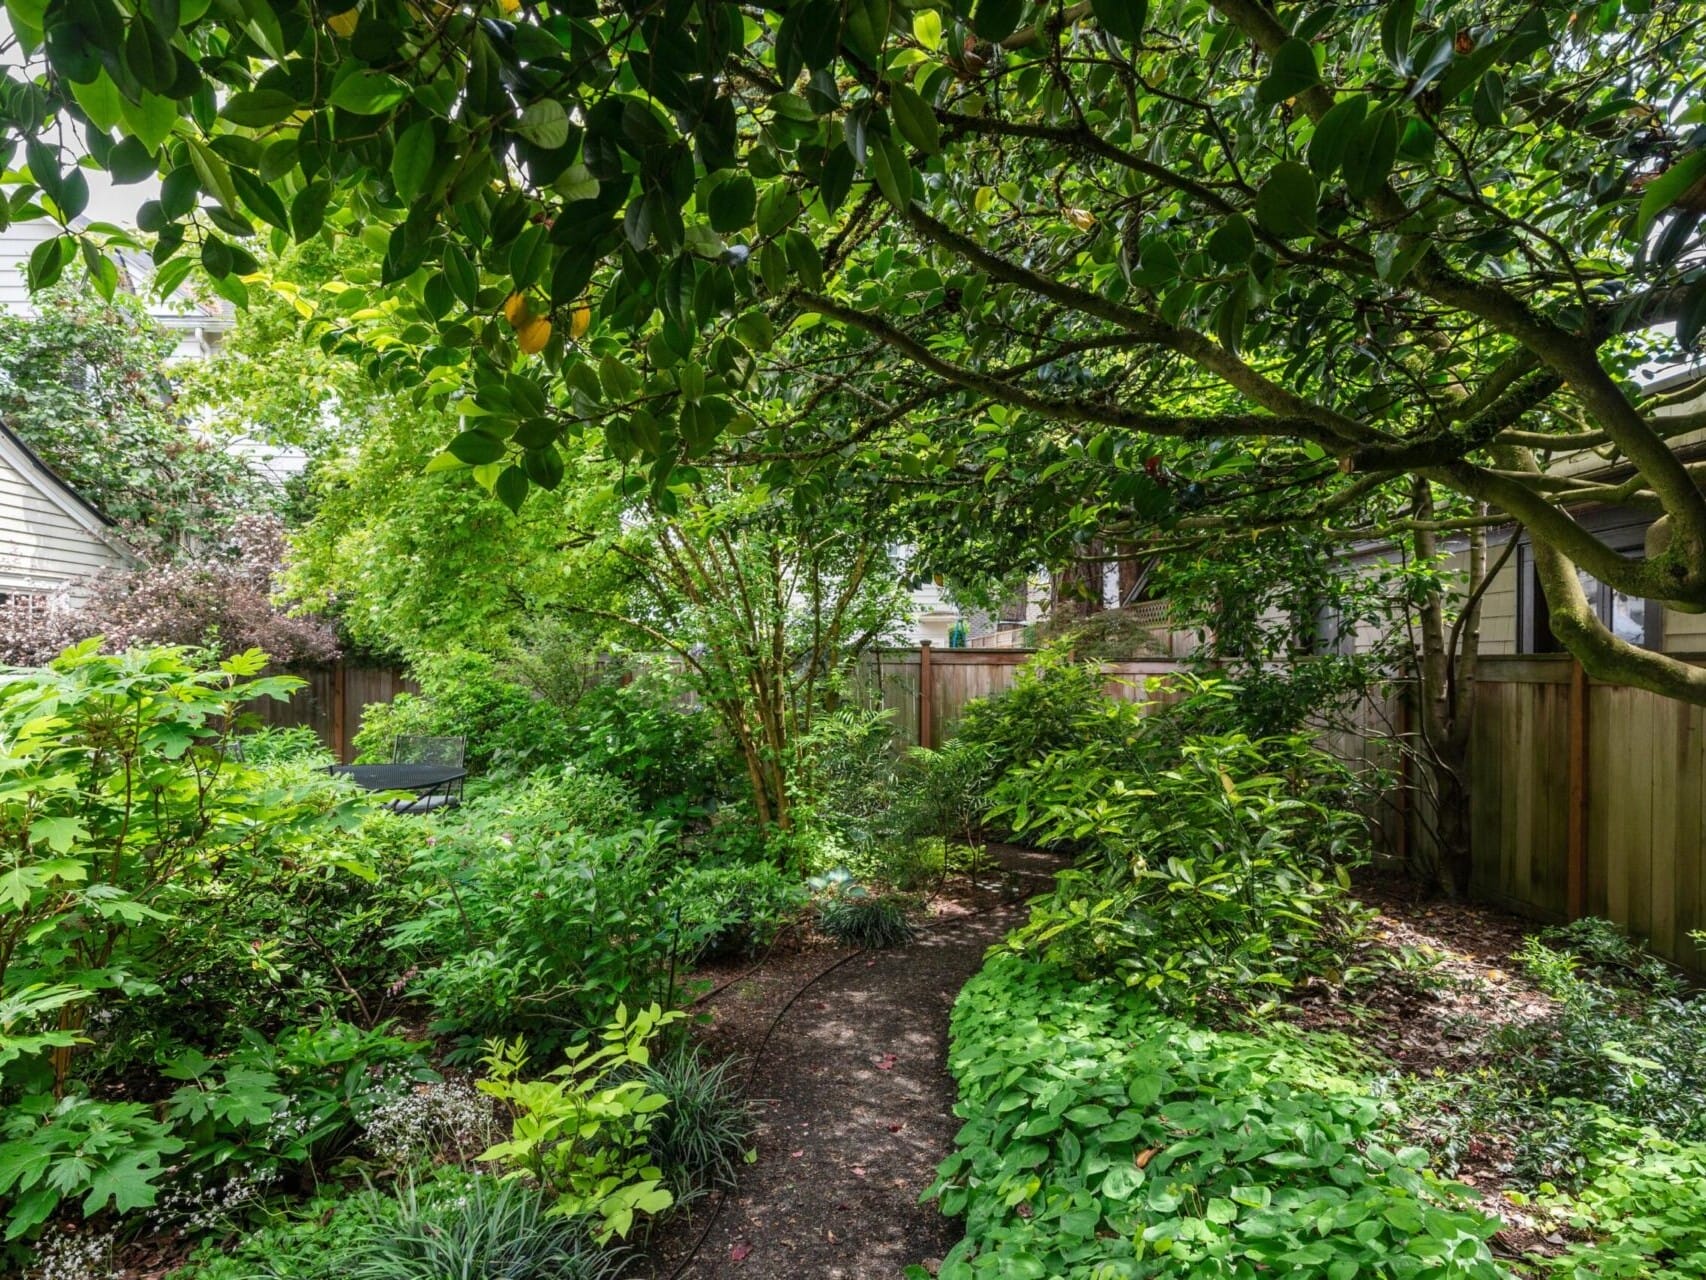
(340, 738)
(1404, 774)
(925, 692)
(1576, 876)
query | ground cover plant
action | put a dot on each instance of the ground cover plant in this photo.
(1168, 1068)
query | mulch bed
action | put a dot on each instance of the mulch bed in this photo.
(854, 1102)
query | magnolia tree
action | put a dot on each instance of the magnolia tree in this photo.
(1333, 247)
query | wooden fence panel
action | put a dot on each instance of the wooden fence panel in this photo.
(332, 701)
(1642, 810)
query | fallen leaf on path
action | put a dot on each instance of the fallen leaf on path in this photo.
(896, 1128)
(886, 1062)
(795, 1155)
(740, 1252)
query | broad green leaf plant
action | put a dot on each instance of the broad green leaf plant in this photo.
(117, 800)
(581, 1130)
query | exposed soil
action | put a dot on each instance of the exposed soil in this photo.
(1435, 1013)
(854, 1102)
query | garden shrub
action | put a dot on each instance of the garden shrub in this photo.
(531, 930)
(121, 810)
(509, 730)
(1210, 875)
(298, 1099)
(582, 1132)
(1054, 704)
(1101, 1139)
(643, 733)
(554, 799)
(275, 942)
(272, 745)
(724, 908)
(95, 1153)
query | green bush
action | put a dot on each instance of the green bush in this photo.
(725, 908)
(509, 730)
(271, 745)
(120, 810)
(523, 928)
(554, 799)
(583, 1131)
(1102, 1140)
(644, 734)
(298, 1099)
(1213, 875)
(275, 942)
(1054, 704)
(94, 1153)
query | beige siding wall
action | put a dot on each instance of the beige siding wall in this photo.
(41, 547)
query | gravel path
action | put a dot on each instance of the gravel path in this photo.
(854, 1102)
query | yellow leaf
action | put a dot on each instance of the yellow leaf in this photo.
(343, 24)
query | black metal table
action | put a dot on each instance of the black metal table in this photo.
(435, 782)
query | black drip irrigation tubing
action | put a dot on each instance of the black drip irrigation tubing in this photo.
(782, 1013)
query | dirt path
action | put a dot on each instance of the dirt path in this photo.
(853, 1099)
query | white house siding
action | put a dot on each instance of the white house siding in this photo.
(197, 328)
(42, 547)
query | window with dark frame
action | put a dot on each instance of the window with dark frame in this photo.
(1632, 618)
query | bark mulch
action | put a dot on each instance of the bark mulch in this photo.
(852, 1095)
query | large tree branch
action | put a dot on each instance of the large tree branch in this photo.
(1065, 409)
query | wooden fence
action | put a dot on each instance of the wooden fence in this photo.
(1589, 799)
(1586, 798)
(332, 701)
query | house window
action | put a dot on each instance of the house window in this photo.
(23, 607)
(1627, 617)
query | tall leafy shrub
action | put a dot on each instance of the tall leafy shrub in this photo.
(523, 926)
(118, 807)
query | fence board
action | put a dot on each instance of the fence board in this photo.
(331, 702)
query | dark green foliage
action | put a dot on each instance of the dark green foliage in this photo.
(701, 1137)
(1211, 867)
(275, 941)
(527, 927)
(856, 917)
(462, 695)
(725, 908)
(645, 734)
(1101, 1139)
(1054, 704)
(294, 1101)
